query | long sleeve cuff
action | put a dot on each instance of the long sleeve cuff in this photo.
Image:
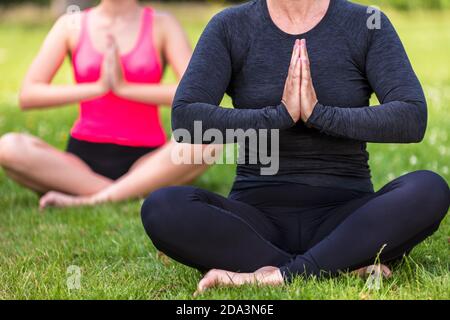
(316, 119)
(286, 120)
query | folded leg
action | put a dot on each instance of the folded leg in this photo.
(398, 217)
(205, 230)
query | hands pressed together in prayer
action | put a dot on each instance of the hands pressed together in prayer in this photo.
(112, 77)
(299, 95)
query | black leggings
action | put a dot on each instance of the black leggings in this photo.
(304, 230)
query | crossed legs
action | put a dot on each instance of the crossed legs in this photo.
(35, 164)
(207, 231)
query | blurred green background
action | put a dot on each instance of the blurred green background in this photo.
(108, 242)
(398, 4)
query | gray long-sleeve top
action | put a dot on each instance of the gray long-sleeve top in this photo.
(244, 54)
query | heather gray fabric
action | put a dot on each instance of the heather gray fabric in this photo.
(244, 54)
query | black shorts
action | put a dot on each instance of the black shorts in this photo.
(107, 159)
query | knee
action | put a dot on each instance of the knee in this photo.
(155, 206)
(162, 212)
(430, 190)
(12, 147)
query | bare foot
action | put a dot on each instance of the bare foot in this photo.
(375, 269)
(59, 200)
(264, 276)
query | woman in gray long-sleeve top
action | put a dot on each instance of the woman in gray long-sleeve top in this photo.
(319, 213)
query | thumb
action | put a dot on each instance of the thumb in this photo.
(112, 44)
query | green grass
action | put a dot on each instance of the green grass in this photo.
(108, 242)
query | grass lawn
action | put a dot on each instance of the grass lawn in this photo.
(108, 243)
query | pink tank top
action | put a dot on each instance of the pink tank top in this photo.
(111, 119)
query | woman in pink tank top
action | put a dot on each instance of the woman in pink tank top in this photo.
(117, 148)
